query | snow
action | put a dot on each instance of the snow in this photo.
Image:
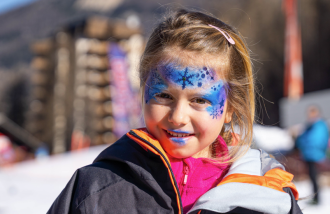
(305, 193)
(32, 186)
(272, 138)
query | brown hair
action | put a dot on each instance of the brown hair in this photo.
(187, 34)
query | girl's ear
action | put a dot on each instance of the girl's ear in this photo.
(229, 114)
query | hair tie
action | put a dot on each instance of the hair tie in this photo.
(225, 34)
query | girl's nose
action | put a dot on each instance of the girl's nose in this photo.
(179, 114)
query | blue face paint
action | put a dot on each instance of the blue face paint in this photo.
(190, 78)
(187, 77)
(217, 99)
(154, 85)
(179, 140)
(179, 131)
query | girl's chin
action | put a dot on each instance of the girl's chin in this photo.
(178, 154)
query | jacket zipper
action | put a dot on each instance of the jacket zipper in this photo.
(185, 178)
(168, 164)
(185, 172)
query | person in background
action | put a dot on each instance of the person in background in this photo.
(312, 144)
(7, 153)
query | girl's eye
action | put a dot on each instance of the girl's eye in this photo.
(163, 96)
(200, 101)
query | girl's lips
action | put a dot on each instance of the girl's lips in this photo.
(178, 138)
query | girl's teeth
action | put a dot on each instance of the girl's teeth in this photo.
(177, 135)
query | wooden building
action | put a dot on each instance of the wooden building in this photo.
(71, 105)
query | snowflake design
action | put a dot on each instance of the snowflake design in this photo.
(156, 79)
(185, 79)
(215, 112)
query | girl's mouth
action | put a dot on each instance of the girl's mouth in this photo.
(178, 137)
(178, 134)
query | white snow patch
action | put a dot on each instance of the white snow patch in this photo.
(272, 138)
(305, 192)
(32, 186)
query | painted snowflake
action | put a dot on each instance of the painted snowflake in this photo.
(155, 78)
(185, 79)
(215, 113)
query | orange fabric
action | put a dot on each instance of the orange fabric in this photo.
(155, 143)
(275, 179)
(148, 138)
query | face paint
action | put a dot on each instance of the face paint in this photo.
(154, 85)
(179, 140)
(187, 77)
(179, 131)
(192, 78)
(217, 96)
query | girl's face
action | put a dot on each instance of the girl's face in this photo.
(185, 108)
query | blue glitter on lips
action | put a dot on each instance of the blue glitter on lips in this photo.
(178, 140)
(179, 131)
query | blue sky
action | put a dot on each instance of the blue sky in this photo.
(6, 5)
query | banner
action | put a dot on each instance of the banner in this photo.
(124, 102)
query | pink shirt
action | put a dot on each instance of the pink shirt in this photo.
(195, 176)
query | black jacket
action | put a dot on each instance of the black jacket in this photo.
(134, 176)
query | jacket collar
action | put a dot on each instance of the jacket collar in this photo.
(149, 143)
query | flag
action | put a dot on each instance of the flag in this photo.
(293, 71)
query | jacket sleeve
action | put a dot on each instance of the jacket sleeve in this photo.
(255, 184)
(62, 204)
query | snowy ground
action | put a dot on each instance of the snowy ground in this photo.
(305, 190)
(31, 187)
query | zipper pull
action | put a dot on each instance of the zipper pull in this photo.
(186, 171)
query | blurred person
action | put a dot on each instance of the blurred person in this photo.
(313, 143)
(7, 153)
(196, 75)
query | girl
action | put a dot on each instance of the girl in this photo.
(196, 75)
